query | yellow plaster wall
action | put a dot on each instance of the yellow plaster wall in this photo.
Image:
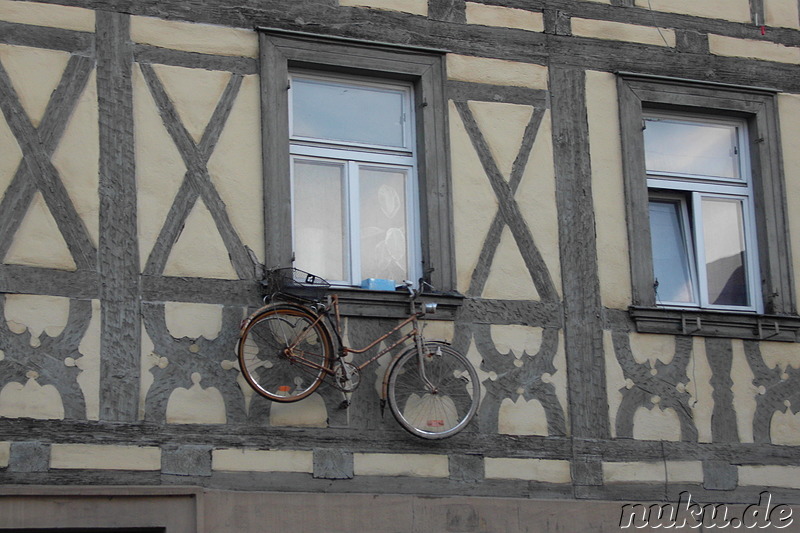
(670, 471)
(105, 457)
(416, 7)
(542, 470)
(734, 10)
(750, 48)
(496, 71)
(396, 464)
(770, 476)
(789, 108)
(608, 189)
(5, 452)
(199, 38)
(237, 460)
(504, 17)
(782, 13)
(618, 31)
(49, 15)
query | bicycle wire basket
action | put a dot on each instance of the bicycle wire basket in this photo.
(295, 283)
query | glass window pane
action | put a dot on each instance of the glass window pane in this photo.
(691, 148)
(320, 241)
(724, 244)
(324, 109)
(671, 258)
(384, 246)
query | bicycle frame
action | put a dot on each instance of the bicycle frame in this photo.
(343, 350)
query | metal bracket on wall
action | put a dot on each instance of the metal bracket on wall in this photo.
(698, 325)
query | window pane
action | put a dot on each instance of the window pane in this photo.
(384, 246)
(691, 148)
(320, 242)
(671, 258)
(323, 109)
(723, 235)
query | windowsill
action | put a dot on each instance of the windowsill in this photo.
(704, 323)
(358, 302)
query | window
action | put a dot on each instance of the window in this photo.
(353, 155)
(355, 159)
(706, 209)
(701, 212)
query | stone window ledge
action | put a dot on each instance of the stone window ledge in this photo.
(394, 304)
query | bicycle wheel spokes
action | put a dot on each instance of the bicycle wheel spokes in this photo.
(436, 395)
(284, 353)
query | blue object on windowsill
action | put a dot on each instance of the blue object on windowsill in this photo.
(378, 284)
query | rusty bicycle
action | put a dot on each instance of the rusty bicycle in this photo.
(286, 351)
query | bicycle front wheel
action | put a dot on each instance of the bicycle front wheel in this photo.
(433, 395)
(284, 353)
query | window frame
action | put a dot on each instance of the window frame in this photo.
(777, 317)
(282, 51)
(695, 189)
(355, 156)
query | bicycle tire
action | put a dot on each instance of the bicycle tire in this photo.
(447, 409)
(263, 353)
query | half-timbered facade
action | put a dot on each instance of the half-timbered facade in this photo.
(605, 194)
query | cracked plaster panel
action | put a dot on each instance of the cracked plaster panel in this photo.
(199, 38)
(542, 470)
(196, 405)
(669, 471)
(237, 460)
(474, 202)
(607, 190)
(49, 15)
(235, 166)
(618, 31)
(77, 159)
(504, 17)
(159, 167)
(789, 108)
(89, 363)
(734, 10)
(750, 48)
(744, 392)
(496, 71)
(34, 74)
(390, 464)
(416, 7)
(782, 13)
(655, 424)
(38, 241)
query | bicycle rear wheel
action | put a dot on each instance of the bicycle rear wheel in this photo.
(284, 353)
(436, 395)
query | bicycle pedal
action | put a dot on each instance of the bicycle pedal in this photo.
(345, 404)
